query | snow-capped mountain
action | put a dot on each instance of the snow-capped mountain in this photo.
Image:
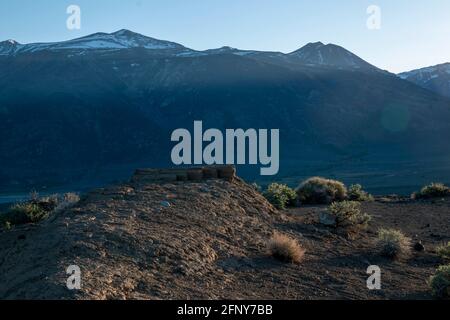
(435, 78)
(122, 39)
(319, 54)
(313, 54)
(8, 47)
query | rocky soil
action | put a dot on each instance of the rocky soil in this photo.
(207, 240)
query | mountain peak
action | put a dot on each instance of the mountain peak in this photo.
(121, 39)
(126, 33)
(317, 53)
(435, 78)
(9, 46)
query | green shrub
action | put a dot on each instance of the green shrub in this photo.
(285, 248)
(444, 251)
(7, 225)
(434, 190)
(349, 216)
(318, 190)
(280, 195)
(356, 193)
(440, 283)
(25, 213)
(393, 243)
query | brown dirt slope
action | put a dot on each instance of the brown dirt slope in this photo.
(206, 240)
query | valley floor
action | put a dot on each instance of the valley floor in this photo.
(207, 240)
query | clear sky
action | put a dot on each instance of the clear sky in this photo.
(413, 34)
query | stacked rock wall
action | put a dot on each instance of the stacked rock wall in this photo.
(225, 172)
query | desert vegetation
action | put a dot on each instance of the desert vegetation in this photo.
(393, 243)
(440, 282)
(280, 195)
(36, 209)
(315, 190)
(319, 190)
(285, 248)
(356, 193)
(349, 216)
(434, 190)
(444, 251)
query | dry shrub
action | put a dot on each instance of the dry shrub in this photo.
(68, 200)
(440, 283)
(434, 190)
(349, 216)
(356, 193)
(285, 248)
(393, 243)
(24, 213)
(319, 190)
(444, 251)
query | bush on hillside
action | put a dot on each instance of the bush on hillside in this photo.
(349, 216)
(356, 193)
(280, 196)
(444, 251)
(318, 190)
(393, 243)
(434, 190)
(440, 283)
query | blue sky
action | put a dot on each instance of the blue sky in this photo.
(414, 33)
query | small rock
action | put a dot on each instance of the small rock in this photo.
(327, 219)
(419, 246)
(21, 237)
(165, 204)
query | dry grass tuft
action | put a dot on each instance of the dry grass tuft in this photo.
(285, 248)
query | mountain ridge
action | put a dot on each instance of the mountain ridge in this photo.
(435, 78)
(123, 39)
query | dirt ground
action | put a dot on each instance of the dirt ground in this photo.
(207, 240)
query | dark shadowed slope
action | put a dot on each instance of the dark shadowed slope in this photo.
(72, 110)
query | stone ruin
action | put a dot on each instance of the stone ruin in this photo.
(225, 172)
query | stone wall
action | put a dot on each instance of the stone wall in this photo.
(225, 172)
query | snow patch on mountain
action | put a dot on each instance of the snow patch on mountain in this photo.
(123, 39)
(319, 54)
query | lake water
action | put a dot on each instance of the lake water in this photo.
(14, 198)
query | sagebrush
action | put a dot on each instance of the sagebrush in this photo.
(37, 209)
(444, 251)
(319, 190)
(280, 195)
(393, 243)
(356, 193)
(440, 283)
(434, 190)
(349, 216)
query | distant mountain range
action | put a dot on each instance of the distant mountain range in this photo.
(82, 108)
(435, 78)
